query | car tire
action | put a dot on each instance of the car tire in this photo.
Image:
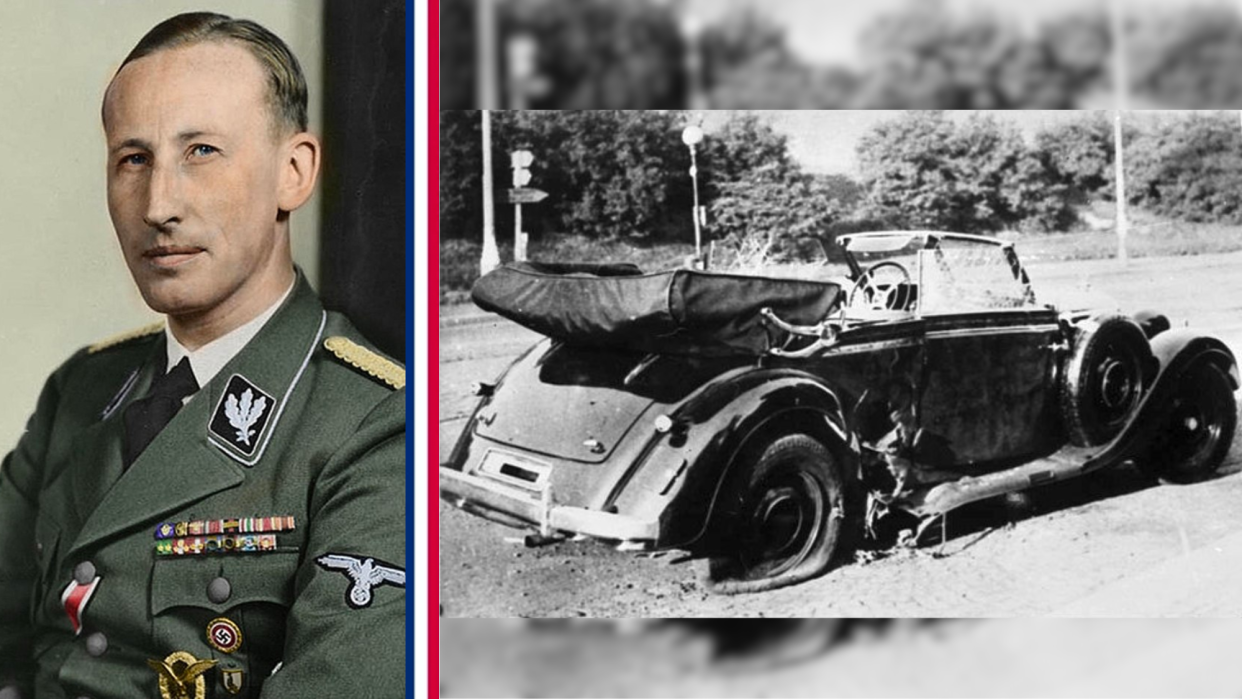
(1104, 380)
(780, 518)
(1195, 437)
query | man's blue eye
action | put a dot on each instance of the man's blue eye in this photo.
(202, 150)
(134, 159)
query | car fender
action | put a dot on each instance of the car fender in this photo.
(1176, 351)
(713, 428)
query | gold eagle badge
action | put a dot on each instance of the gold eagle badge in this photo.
(181, 675)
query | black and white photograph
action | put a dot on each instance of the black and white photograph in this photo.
(914, 364)
(839, 364)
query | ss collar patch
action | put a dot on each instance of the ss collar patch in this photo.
(241, 415)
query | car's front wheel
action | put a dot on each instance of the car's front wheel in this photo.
(1195, 438)
(780, 519)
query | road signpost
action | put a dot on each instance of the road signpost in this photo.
(526, 195)
(520, 161)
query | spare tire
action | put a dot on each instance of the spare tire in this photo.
(1105, 377)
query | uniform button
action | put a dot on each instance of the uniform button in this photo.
(10, 692)
(96, 644)
(219, 590)
(39, 548)
(84, 573)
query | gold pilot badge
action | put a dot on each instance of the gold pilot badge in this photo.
(181, 675)
(231, 679)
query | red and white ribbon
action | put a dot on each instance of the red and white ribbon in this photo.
(75, 598)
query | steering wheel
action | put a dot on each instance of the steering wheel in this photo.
(878, 295)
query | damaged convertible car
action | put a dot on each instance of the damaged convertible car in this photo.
(766, 424)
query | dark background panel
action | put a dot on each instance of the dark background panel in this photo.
(362, 249)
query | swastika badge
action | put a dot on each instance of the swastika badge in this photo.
(224, 635)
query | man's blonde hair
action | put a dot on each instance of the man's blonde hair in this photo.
(286, 86)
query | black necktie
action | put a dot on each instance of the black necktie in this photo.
(145, 417)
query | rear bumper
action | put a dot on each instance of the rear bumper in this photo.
(485, 496)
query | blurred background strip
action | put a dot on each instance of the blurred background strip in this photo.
(857, 658)
(814, 54)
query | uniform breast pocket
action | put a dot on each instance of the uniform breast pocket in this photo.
(229, 608)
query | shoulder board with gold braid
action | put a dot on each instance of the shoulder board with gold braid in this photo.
(126, 336)
(369, 362)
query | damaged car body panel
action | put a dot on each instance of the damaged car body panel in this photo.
(759, 420)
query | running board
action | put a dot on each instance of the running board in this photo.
(1065, 464)
(1068, 463)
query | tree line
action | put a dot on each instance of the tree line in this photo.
(624, 174)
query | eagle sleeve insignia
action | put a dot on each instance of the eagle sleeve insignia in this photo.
(364, 574)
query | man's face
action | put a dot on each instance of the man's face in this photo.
(193, 177)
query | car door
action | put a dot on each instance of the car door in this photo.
(875, 367)
(988, 385)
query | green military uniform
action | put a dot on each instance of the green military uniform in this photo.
(298, 443)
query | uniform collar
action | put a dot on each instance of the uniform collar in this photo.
(208, 360)
(206, 460)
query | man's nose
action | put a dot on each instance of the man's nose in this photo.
(163, 198)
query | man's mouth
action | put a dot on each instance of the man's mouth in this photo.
(168, 256)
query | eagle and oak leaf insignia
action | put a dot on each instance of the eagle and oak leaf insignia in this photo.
(244, 413)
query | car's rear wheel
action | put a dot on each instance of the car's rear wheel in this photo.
(1196, 436)
(1105, 379)
(780, 517)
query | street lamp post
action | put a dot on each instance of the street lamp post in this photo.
(692, 136)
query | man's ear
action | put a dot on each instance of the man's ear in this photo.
(299, 170)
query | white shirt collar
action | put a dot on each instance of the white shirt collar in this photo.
(208, 360)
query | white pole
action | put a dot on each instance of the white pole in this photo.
(1119, 162)
(491, 254)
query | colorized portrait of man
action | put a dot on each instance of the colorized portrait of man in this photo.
(212, 505)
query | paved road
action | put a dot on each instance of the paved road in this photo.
(1109, 545)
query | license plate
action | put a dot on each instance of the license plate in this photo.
(514, 469)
